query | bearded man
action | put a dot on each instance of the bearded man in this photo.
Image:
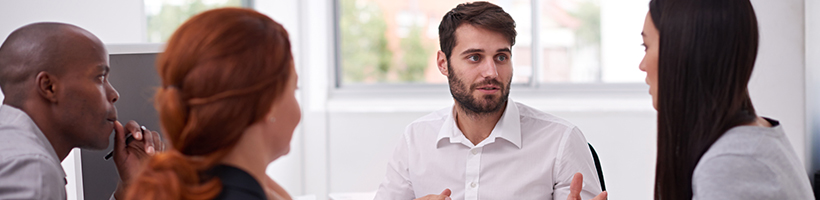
(486, 146)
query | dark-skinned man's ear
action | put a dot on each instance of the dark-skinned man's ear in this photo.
(46, 86)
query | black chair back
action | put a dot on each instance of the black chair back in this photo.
(598, 167)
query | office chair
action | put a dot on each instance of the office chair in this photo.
(597, 166)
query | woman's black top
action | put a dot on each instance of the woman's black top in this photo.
(237, 184)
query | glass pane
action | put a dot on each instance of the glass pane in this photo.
(570, 40)
(164, 16)
(395, 41)
(576, 50)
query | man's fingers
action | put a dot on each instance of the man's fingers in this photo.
(601, 196)
(149, 142)
(575, 187)
(446, 192)
(119, 136)
(445, 195)
(434, 197)
(134, 128)
(157, 141)
(146, 141)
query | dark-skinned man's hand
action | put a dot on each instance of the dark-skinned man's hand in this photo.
(129, 158)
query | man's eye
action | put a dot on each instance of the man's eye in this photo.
(501, 57)
(473, 58)
(101, 77)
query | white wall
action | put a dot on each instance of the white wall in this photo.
(778, 82)
(316, 43)
(812, 86)
(288, 170)
(120, 21)
(72, 164)
(622, 21)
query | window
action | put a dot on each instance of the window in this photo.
(570, 37)
(395, 41)
(164, 16)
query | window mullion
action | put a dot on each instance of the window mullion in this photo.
(537, 53)
(247, 4)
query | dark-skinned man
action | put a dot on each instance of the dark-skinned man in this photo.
(57, 97)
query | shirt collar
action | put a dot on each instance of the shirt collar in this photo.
(507, 128)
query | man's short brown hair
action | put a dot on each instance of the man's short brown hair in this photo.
(481, 14)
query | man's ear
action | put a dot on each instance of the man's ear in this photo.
(47, 86)
(441, 61)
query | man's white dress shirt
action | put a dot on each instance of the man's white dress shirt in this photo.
(528, 155)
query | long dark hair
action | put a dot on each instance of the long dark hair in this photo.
(707, 53)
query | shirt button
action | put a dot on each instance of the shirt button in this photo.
(475, 151)
(472, 185)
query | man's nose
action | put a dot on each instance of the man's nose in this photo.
(113, 95)
(489, 69)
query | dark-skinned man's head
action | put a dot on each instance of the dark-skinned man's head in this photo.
(58, 74)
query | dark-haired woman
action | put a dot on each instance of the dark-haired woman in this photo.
(711, 143)
(227, 106)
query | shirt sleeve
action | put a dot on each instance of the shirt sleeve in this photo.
(734, 177)
(31, 177)
(573, 157)
(397, 183)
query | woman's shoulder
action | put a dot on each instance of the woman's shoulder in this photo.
(750, 162)
(751, 141)
(237, 184)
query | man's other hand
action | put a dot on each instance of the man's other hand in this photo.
(576, 186)
(445, 195)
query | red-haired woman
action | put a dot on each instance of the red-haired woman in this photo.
(226, 105)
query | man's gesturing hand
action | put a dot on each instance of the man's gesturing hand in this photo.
(576, 186)
(445, 195)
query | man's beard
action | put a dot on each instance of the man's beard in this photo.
(473, 106)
